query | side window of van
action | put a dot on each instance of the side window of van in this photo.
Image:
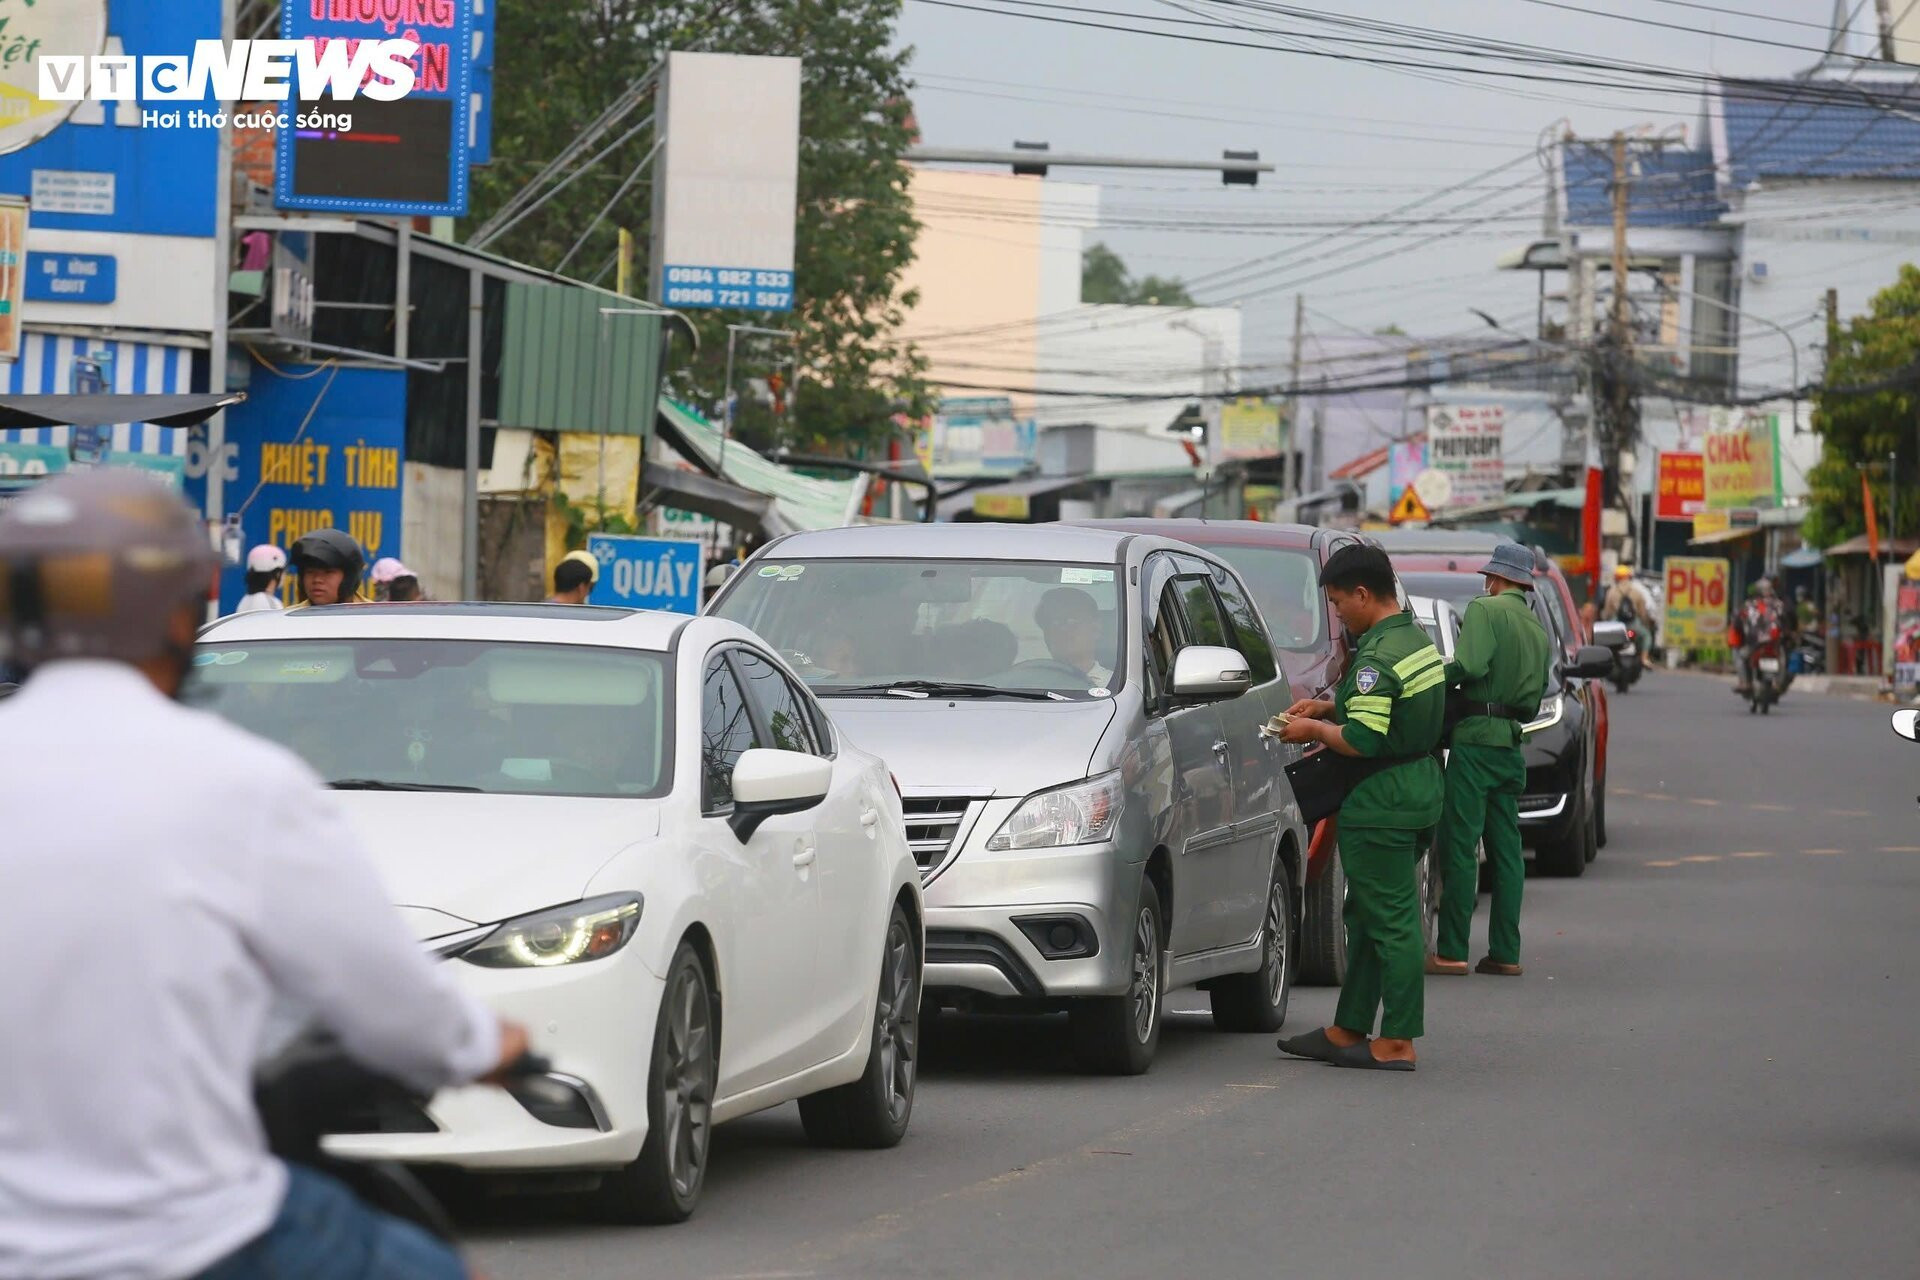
(1163, 632)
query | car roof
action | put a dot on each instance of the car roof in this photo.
(436, 620)
(971, 541)
(1219, 533)
(1435, 541)
(1438, 561)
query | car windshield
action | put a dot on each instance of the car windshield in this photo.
(452, 715)
(1286, 586)
(1018, 628)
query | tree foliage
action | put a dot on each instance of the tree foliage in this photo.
(1104, 278)
(560, 62)
(1869, 408)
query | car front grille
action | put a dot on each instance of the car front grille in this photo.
(933, 827)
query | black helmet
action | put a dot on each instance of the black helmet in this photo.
(331, 549)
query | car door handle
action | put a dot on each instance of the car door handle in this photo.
(869, 817)
(804, 859)
(1220, 749)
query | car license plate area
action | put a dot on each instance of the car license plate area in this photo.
(1770, 665)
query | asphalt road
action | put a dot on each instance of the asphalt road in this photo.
(1708, 1069)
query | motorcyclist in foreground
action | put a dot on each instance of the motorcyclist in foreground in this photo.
(159, 926)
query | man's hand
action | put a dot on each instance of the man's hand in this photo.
(1311, 709)
(1304, 729)
(513, 1047)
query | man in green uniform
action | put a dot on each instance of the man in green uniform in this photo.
(1500, 666)
(1386, 716)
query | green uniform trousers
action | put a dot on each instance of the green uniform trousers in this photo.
(1483, 801)
(1386, 956)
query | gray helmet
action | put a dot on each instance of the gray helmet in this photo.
(330, 549)
(1513, 562)
(92, 565)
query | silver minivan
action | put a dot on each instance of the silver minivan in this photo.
(1074, 719)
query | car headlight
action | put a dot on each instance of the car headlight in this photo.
(1552, 708)
(1080, 813)
(577, 932)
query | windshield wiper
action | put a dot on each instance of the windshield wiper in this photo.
(945, 689)
(381, 784)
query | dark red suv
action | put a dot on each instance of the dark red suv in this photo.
(1280, 563)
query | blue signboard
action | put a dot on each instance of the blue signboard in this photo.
(693, 288)
(480, 141)
(102, 170)
(403, 158)
(646, 573)
(71, 277)
(344, 471)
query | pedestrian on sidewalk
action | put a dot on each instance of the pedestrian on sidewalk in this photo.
(573, 578)
(1385, 718)
(1500, 668)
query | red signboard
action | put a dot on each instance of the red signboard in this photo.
(1682, 492)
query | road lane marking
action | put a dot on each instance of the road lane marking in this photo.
(1751, 853)
(1663, 863)
(1821, 853)
(1900, 848)
(1701, 857)
(1621, 791)
(1772, 808)
(1701, 800)
(1851, 813)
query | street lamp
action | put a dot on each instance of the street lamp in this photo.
(1793, 347)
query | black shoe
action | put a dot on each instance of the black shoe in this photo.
(1314, 1044)
(1361, 1056)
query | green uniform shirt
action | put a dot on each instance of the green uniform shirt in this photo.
(1502, 657)
(1393, 702)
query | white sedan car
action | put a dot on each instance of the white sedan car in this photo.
(636, 834)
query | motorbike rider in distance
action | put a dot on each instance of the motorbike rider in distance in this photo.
(1627, 601)
(1760, 614)
(133, 1149)
(330, 564)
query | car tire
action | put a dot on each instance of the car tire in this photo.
(1257, 1001)
(1426, 879)
(1599, 816)
(1118, 1035)
(1323, 926)
(1567, 856)
(873, 1111)
(664, 1184)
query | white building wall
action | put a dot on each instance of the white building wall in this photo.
(1120, 352)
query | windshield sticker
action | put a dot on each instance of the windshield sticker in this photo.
(784, 572)
(1099, 693)
(311, 669)
(231, 658)
(1085, 576)
(205, 659)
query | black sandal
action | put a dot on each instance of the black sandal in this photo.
(1314, 1044)
(1361, 1056)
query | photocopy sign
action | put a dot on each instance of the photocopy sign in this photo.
(724, 181)
(647, 573)
(1466, 443)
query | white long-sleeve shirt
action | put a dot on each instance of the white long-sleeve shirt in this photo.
(165, 876)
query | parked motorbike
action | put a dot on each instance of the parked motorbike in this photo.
(312, 1089)
(1809, 657)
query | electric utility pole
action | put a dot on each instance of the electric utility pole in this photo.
(1616, 397)
(1289, 468)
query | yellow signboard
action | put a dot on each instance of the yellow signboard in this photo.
(1742, 460)
(1696, 608)
(1707, 522)
(1000, 506)
(1249, 429)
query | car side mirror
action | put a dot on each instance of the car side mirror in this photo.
(1907, 724)
(1591, 662)
(1207, 673)
(1610, 635)
(766, 783)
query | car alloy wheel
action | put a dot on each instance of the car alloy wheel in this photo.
(1144, 994)
(1279, 938)
(687, 1081)
(897, 1021)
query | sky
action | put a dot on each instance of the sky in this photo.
(1351, 141)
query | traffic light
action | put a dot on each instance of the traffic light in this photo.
(1240, 177)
